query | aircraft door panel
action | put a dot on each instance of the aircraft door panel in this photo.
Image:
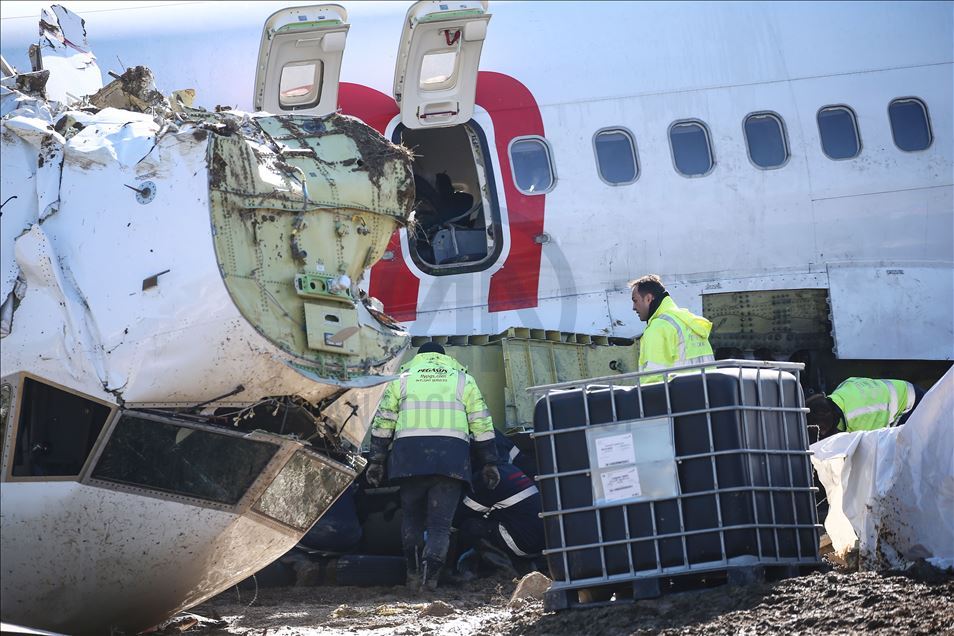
(512, 112)
(435, 78)
(391, 280)
(299, 60)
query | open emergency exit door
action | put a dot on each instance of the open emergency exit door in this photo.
(435, 79)
(299, 60)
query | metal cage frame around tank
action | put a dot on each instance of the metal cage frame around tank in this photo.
(613, 383)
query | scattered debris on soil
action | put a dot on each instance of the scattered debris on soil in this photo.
(530, 587)
(919, 601)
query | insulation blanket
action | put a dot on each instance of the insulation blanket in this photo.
(892, 490)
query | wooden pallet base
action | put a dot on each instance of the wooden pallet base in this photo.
(567, 597)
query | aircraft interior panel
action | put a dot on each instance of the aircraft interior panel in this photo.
(455, 211)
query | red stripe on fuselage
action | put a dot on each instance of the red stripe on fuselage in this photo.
(391, 281)
(514, 113)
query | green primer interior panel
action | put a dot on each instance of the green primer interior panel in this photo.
(317, 198)
(504, 365)
(782, 321)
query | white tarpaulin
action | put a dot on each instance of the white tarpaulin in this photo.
(892, 490)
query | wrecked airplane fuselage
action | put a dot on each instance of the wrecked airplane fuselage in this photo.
(164, 271)
(167, 262)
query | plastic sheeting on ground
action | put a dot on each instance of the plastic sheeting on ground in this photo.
(892, 490)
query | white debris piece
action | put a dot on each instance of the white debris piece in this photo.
(892, 490)
(65, 52)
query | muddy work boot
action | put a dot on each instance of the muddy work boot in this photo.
(431, 575)
(413, 580)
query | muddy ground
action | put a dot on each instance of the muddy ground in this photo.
(917, 602)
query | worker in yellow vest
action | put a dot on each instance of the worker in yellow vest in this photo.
(674, 336)
(422, 431)
(863, 404)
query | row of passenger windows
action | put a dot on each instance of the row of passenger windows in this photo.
(691, 145)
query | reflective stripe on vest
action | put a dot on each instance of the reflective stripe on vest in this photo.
(654, 366)
(682, 339)
(503, 503)
(430, 432)
(869, 404)
(432, 406)
(473, 505)
(478, 415)
(682, 348)
(865, 410)
(382, 432)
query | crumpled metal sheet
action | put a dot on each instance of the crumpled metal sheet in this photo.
(81, 239)
(65, 53)
(134, 90)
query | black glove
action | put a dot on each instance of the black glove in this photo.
(485, 452)
(490, 475)
(374, 473)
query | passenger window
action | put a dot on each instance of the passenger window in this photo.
(838, 129)
(437, 70)
(765, 138)
(691, 150)
(909, 124)
(300, 85)
(182, 459)
(616, 156)
(56, 431)
(532, 165)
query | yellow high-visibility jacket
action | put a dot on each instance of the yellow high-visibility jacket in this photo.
(673, 337)
(869, 404)
(430, 412)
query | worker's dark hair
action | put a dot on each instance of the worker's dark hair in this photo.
(431, 347)
(648, 284)
(820, 410)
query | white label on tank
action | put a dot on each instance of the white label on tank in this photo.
(621, 484)
(614, 450)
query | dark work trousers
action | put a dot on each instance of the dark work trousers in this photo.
(428, 502)
(474, 529)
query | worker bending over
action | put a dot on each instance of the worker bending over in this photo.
(862, 404)
(504, 520)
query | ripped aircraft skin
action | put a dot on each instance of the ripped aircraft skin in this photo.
(179, 295)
